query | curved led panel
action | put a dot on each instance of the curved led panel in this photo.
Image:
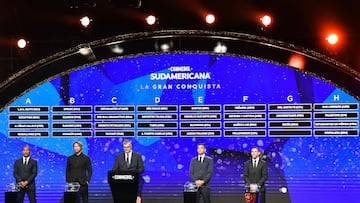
(168, 100)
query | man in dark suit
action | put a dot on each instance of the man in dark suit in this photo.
(25, 171)
(79, 169)
(130, 161)
(201, 170)
(256, 173)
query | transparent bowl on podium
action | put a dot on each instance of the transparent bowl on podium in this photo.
(251, 192)
(252, 188)
(72, 187)
(190, 187)
(12, 187)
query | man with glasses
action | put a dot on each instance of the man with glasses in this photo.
(130, 161)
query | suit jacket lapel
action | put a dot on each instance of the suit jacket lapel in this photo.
(122, 160)
(131, 160)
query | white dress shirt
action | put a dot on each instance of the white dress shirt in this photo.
(201, 158)
(128, 155)
(26, 160)
(256, 162)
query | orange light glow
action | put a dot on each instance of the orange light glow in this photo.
(297, 61)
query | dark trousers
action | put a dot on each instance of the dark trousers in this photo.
(204, 193)
(83, 194)
(261, 198)
(30, 193)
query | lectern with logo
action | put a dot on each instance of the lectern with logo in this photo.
(251, 193)
(190, 193)
(71, 192)
(11, 193)
(124, 185)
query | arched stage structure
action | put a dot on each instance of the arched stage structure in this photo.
(168, 91)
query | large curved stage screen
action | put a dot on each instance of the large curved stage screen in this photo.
(168, 103)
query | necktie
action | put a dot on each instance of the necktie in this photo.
(254, 163)
(25, 161)
(127, 161)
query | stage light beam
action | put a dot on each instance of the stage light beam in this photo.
(210, 19)
(22, 43)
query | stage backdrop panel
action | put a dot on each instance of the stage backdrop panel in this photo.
(167, 104)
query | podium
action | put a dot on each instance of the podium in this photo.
(124, 185)
(11, 193)
(11, 197)
(251, 193)
(71, 192)
(190, 193)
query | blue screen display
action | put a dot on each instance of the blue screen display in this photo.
(166, 104)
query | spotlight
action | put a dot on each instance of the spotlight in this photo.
(85, 51)
(85, 21)
(283, 189)
(266, 20)
(117, 49)
(210, 18)
(164, 46)
(220, 48)
(297, 61)
(150, 20)
(332, 38)
(22, 43)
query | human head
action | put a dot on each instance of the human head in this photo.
(255, 152)
(127, 146)
(77, 146)
(201, 148)
(26, 151)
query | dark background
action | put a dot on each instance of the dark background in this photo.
(50, 26)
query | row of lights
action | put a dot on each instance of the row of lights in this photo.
(209, 19)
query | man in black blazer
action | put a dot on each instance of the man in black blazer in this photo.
(25, 171)
(201, 170)
(256, 173)
(130, 161)
(79, 169)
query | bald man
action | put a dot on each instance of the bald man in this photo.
(25, 171)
